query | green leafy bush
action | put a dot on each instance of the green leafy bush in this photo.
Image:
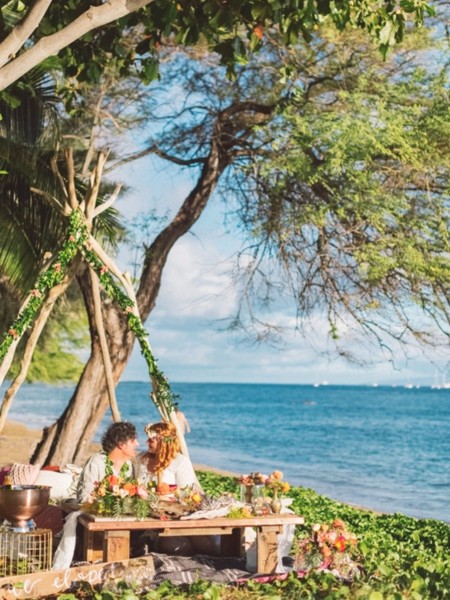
(401, 558)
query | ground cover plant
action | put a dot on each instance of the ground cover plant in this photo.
(395, 557)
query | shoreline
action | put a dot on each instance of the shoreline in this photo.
(17, 443)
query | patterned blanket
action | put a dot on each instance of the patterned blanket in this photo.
(188, 569)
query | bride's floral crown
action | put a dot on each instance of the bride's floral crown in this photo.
(151, 433)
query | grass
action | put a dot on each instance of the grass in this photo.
(398, 558)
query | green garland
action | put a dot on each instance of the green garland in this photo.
(51, 277)
(78, 242)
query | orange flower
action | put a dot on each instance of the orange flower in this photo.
(113, 480)
(258, 30)
(338, 524)
(277, 475)
(131, 488)
(340, 544)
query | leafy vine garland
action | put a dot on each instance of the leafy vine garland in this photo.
(77, 241)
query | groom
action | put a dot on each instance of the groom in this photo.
(119, 444)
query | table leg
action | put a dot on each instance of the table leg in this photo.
(116, 546)
(92, 545)
(267, 548)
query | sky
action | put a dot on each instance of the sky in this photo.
(186, 331)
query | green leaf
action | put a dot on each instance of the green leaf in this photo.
(387, 34)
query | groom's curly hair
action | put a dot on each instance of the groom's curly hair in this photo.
(118, 433)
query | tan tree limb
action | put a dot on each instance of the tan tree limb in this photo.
(36, 331)
(22, 31)
(9, 356)
(91, 195)
(104, 346)
(92, 137)
(102, 207)
(71, 188)
(91, 19)
(62, 184)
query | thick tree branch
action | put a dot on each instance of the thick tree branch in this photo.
(93, 18)
(22, 31)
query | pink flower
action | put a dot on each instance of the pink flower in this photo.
(36, 293)
(72, 239)
(142, 492)
(57, 267)
(104, 269)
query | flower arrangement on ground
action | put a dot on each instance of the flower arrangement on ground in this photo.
(119, 496)
(328, 547)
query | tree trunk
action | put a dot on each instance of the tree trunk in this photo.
(67, 440)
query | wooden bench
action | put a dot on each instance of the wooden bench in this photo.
(108, 539)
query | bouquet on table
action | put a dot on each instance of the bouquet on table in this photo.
(251, 479)
(276, 485)
(118, 496)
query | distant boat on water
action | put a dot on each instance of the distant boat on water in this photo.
(324, 382)
(443, 385)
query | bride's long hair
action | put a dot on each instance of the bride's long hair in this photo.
(169, 445)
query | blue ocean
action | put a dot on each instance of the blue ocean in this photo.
(385, 448)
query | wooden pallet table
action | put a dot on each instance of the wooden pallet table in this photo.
(108, 539)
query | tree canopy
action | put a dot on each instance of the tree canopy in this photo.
(82, 36)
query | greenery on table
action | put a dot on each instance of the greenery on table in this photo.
(402, 558)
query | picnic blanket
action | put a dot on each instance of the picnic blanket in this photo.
(188, 569)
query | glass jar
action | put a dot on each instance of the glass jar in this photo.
(250, 492)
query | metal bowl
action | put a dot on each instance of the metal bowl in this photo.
(20, 503)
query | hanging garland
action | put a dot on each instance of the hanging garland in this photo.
(51, 277)
(78, 242)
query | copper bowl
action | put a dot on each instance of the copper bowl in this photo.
(20, 503)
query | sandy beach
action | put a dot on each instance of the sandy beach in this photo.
(17, 443)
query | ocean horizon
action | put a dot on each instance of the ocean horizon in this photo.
(386, 448)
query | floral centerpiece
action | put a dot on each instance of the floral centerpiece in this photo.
(276, 484)
(328, 547)
(191, 496)
(251, 486)
(255, 478)
(117, 496)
